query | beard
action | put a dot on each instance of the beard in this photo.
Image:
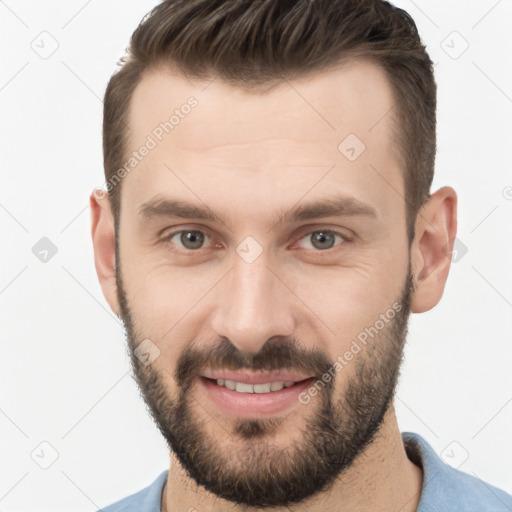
(259, 472)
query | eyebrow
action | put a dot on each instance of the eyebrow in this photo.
(338, 206)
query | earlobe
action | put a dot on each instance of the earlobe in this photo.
(103, 239)
(436, 227)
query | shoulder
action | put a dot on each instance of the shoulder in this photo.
(145, 500)
(448, 489)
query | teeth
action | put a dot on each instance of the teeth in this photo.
(242, 387)
(230, 384)
(262, 388)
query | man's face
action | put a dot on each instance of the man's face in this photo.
(261, 288)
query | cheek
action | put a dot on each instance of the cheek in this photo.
(341, 302)
(165, 301)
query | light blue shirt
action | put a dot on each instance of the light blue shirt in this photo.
(444, 489)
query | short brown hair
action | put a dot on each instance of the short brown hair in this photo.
(250, 43)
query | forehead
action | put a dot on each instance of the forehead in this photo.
(210, 132)
(356, 96)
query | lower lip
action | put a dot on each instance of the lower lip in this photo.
(253, 405)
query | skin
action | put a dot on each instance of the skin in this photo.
(248, 156)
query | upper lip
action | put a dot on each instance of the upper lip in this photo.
(254, 378)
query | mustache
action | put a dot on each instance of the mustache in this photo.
(278, 353)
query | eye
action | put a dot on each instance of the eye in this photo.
(322, 239)
(194, 240)
(188, 238)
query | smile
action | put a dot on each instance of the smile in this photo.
(242, 399)
(242, 387)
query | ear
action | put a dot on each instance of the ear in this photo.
(431, 250)
(103, 240)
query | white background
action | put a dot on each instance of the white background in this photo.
(64, 376)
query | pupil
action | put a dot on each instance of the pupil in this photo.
(322, 237)
(192, 239)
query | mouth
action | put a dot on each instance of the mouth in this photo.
(266, 387)
(249, 400)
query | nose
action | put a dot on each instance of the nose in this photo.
(253, 305)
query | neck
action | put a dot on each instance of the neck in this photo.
(381, 479)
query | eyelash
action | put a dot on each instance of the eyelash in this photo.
(345, 239)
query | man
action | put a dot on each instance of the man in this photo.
(268, 229)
